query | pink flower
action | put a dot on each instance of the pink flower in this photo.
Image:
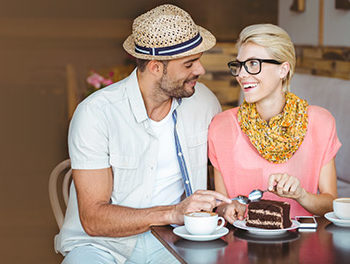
(106, 82)
(95, 80)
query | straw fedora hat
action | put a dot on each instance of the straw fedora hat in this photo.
(167, 32)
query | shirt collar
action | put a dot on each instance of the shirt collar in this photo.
(135, 98)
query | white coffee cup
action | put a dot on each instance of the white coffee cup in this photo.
(341, 208)
(203, 223)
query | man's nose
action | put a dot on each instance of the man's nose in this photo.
(199, 69)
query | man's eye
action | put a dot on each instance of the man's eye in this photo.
(188, 65)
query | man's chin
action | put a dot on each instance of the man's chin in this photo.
(188, 93)
(184, 95)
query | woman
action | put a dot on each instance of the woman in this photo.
(274, 141)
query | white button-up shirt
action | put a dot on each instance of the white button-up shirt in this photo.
(111, 129)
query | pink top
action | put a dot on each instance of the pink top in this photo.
(243, 169)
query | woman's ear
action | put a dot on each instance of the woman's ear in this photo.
(284, 69)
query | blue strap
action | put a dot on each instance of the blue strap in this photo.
(171, 50)
(181, 160)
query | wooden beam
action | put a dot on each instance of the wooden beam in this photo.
(321, 23)
(72, 88)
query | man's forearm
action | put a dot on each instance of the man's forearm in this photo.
(118, 221)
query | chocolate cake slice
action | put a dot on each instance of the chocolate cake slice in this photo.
(268, 214)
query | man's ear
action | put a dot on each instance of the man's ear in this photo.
(284, 69)
(155, 67)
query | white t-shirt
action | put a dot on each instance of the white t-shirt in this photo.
(168, 186)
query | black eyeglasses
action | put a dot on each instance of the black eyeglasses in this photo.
(252, 66)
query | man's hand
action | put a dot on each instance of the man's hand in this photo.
(201, 200)
(232, 212)
(285, 185)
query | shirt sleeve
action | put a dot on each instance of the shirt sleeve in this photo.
(88, 138)
(333, 143)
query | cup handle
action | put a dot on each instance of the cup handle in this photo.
(222, 223)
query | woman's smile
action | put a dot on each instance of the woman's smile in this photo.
(249, 86)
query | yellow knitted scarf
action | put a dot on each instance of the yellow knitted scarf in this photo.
(278, 139)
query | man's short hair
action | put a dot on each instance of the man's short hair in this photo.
(141, 64)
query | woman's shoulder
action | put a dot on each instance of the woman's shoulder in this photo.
(224, 126)
(319, 114)
(226, 116)
(321, 122)
(232, 112)
(224, 121)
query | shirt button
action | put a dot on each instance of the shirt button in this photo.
(187, 182)
(180, 154)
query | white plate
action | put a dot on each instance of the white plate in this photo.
(265, 232)
(337, 221)
(182, 232)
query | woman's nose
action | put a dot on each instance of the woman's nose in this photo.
(243, 72)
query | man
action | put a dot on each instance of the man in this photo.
(139, 146)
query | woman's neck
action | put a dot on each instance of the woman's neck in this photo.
(270, 107)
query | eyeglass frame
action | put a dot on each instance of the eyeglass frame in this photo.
(243, 63)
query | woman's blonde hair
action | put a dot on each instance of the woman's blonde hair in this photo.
(277, 43)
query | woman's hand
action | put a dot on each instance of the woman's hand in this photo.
(231, 212)
(285, 185)
(316, 203)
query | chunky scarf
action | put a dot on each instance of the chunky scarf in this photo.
(278, 139)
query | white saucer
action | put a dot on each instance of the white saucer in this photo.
(285, 237)
(182, 232)
(265, 232)
(337, 221)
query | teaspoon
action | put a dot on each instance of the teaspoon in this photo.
(241, 199)
(254, 196)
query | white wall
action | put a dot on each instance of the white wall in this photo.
(304, 27)
(336, 25)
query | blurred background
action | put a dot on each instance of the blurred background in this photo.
(49, 48)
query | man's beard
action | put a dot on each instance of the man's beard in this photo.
(176, 89)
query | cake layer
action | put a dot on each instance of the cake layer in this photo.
(274, 218)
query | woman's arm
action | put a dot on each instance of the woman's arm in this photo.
(219, 182)
(231, 212)
(288, 186)
(319, 204)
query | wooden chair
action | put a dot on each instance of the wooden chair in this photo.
(61, 171)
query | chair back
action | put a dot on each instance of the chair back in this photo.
(60, 176)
